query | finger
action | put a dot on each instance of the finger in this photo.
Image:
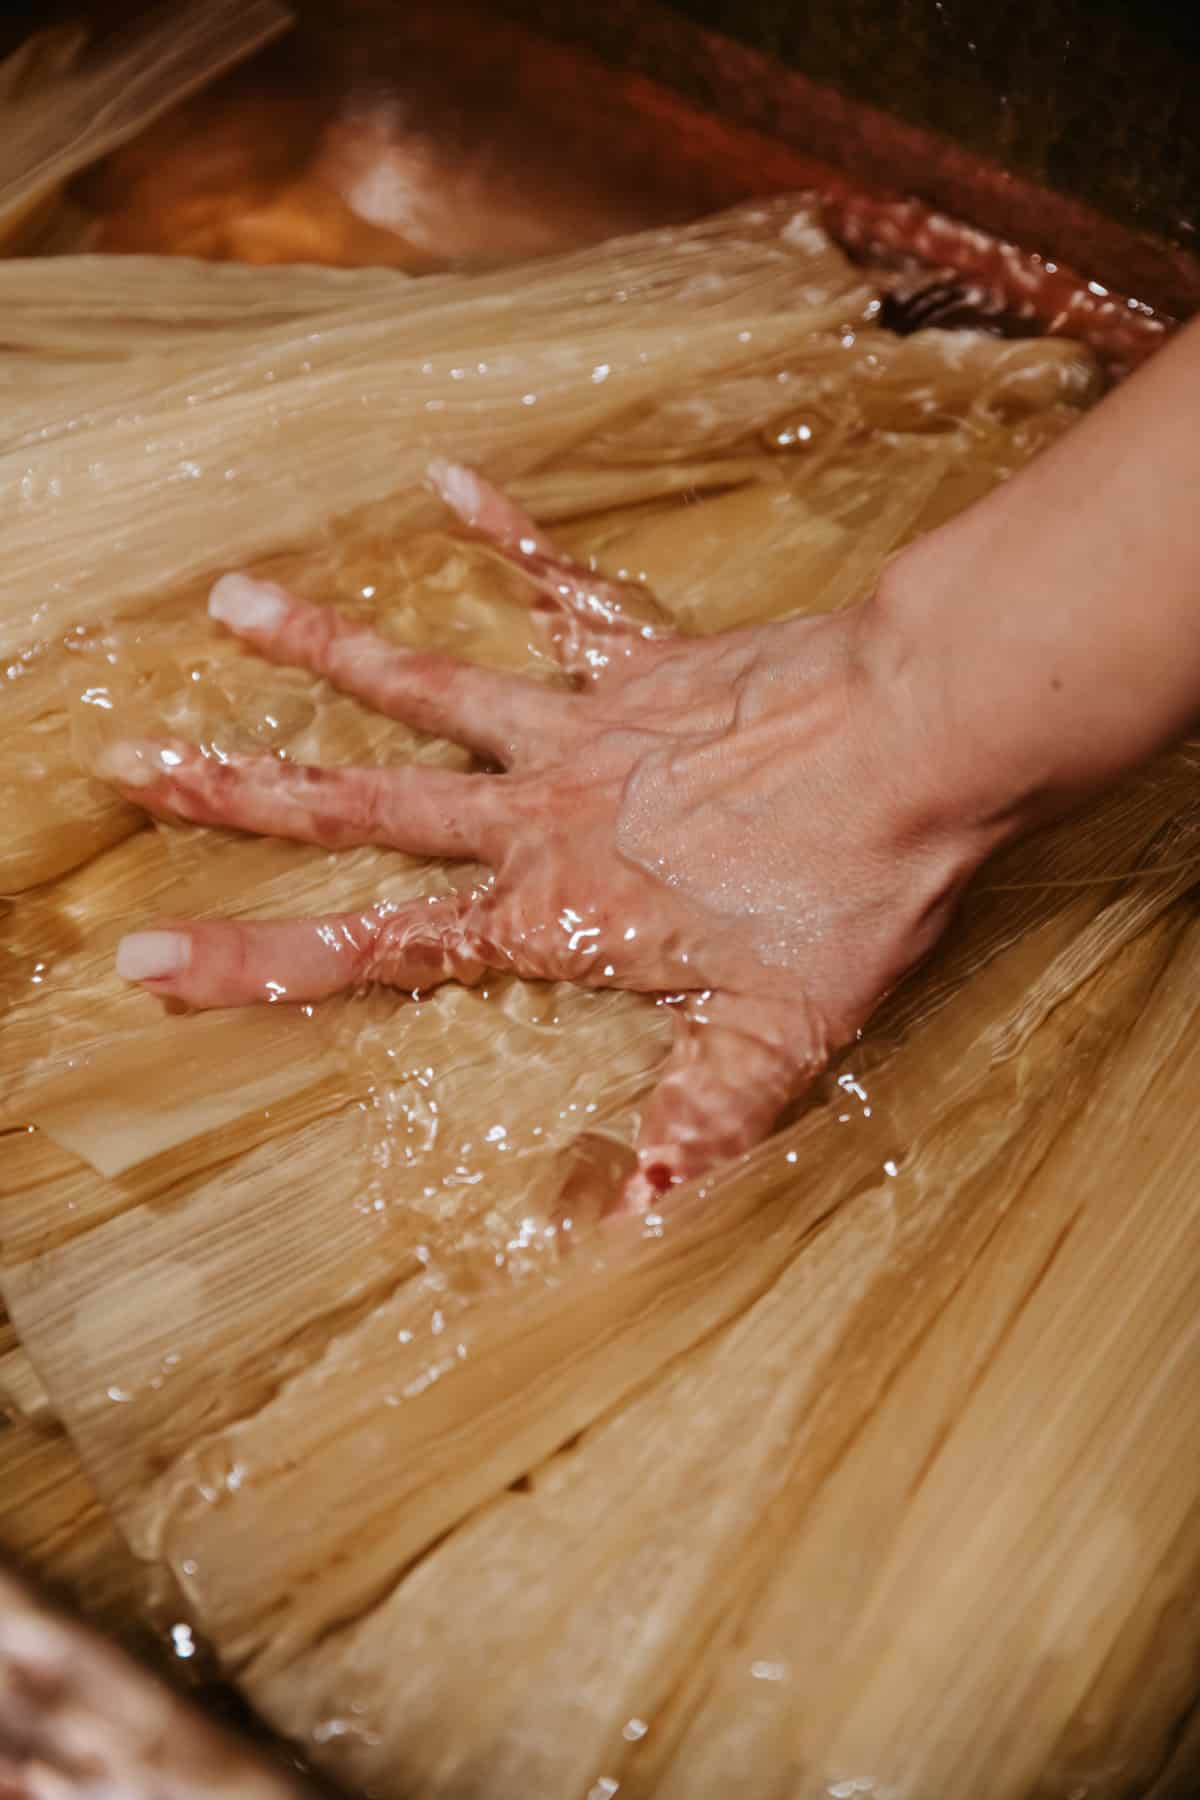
(483, 508)
(734, 1066)
(13, 1783)
(415, 946)
(426, 812)
(594, 622)
(496, 715)
(35, 1669)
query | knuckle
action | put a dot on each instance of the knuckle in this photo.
(367, 806)
(324, 639)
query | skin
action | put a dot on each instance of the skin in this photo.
(769, 826)
(78, 1720)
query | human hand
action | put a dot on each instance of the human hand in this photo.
(77, 1717)
(743, 825)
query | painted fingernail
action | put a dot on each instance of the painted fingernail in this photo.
(131, 763)
(149, 955)
(245, 604)
(457, 486)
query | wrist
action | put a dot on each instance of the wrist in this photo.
(980, 765)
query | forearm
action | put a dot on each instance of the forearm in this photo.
(1049, 638)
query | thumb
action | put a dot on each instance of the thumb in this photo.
(735, 1065)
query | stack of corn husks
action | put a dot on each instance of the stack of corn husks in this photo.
(870, 1468)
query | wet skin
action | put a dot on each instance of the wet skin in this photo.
(729, 823)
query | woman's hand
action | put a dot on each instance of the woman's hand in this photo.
(738, 824)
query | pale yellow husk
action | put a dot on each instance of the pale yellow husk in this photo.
(714, 1503)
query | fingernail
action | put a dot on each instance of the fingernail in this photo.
(457, 486)
(149, 955)
(133, 764)
(33, 1643)
(245, 604)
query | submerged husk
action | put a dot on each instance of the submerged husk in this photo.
(233, 413)
(264, 1333)
(239, 436)
(718, 1558)
(469, 1517)
(115, 505)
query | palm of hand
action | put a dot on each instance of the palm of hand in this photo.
(707, 820)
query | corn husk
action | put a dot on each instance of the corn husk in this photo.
(30, 75)
(265, 399)
(51, 1520)
(645, 1571)
(1002, 1068)
(276, 399)
(660, 1514)
(325, 440)
(64, 109)
(22, 1394)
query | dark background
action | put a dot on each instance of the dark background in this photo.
(1097, 98)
